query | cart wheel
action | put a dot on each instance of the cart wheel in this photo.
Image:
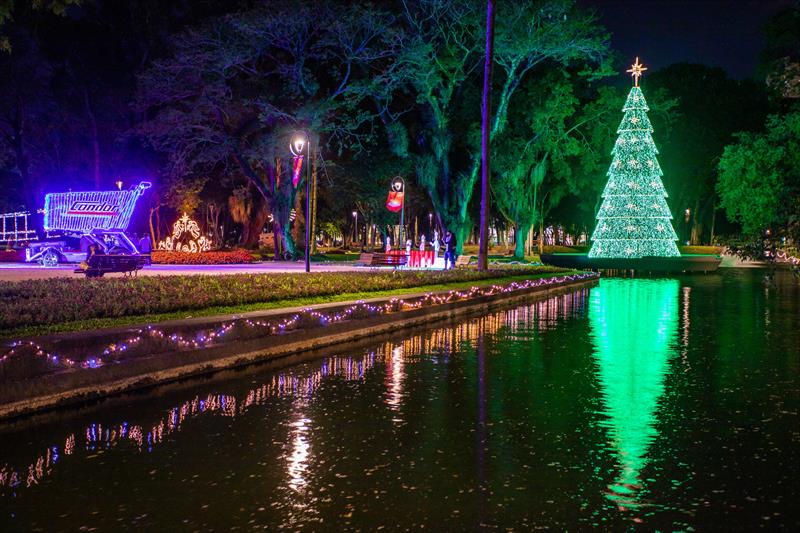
(50, 259)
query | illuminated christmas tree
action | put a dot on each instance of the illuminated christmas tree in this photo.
(634, 219)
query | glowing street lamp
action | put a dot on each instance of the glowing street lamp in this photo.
(300, 142)
(119, 185)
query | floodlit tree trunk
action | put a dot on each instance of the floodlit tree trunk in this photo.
(541, 236)
(520, 238)
(255, 224)
(697, 224)
(483, 248)
(154, 239)
(277, 234)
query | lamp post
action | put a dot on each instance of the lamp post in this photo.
(355, 230)
(300, 141)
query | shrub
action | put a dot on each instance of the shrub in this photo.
(204, 258)
(58, 300)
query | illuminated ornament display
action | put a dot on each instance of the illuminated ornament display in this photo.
(636, 70)
(634, 330)
(186, 237)
(92, 210)
(634, 220)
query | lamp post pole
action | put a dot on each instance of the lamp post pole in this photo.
(308, 204)
(299, 141)
(355, 230)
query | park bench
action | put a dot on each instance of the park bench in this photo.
(104, 264)
(463, 261)
(364, 259)
(394, 260)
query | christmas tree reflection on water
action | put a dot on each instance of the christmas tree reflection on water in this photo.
(634, 325)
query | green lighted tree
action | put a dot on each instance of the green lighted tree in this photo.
(759, 181)
(634, 219)
(442, 48)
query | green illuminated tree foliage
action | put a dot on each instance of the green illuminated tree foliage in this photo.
(442, 49)
(634, 219)
(759, 181)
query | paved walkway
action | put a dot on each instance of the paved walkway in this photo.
(24, 272)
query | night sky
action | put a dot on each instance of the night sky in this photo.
(719, 33)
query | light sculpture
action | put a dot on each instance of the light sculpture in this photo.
(634, 219)
(186, 237)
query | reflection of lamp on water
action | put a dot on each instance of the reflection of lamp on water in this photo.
(298, 456)
(634, 326)
(395, 375)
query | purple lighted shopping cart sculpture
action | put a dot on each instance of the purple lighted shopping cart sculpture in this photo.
(97, 218)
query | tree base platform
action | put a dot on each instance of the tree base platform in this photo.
(684, 263)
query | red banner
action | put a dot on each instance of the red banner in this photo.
(394, 202)
(297, 166)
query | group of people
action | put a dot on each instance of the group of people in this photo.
(449, 242)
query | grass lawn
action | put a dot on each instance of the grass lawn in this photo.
(418, 283)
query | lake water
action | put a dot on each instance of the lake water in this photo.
(640, 403)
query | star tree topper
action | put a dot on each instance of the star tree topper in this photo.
(636, 70)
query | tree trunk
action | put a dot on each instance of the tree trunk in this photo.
(288, 244)
(713, 222)
(153, 239)
(158, 225)
(299, 215)
(541, 236)
(520, 238)
(483, 245)
(277, 233)
(257, 221)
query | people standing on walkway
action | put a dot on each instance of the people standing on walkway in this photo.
(449, 250)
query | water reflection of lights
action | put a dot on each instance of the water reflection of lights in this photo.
(686, 294)
(395, 376)
(634, 325)
(299, 383)
(298, 457)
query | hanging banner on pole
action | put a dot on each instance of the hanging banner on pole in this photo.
(297, 166)
(394, 202)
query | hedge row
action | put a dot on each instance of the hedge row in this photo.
(204, 258)
(58, 300)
